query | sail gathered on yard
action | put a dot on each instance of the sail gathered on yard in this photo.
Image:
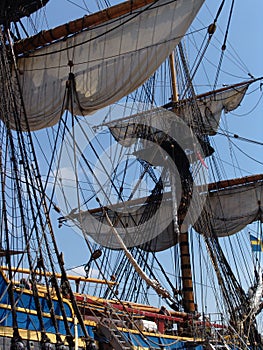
(211, 107)
(226, 211)
(136, 224)
(155, 125)
(107, 61)
(229, 209)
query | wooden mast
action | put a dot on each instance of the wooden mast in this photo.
(187, 281)
(173, 77)
(186, 270)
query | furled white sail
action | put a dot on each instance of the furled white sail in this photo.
(211, 108)
(155, 125)
(108, 61)
(137, 224)
(225, 212)
(229, 210)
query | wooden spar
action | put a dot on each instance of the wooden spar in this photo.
(186, 270)
(214, 92)
(48, 36)
(220, 185)
(173, 78)
(58, 275)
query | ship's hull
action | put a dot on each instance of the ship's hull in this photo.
(29, 326)
(30, 334)
(32, 344)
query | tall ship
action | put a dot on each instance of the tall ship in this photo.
(131, 175)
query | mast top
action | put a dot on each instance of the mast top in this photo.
(14, 10)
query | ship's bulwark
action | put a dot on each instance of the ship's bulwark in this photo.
(29, 326)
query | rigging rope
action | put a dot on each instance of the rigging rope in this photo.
(154, 284)
(235, 136)
(210, 31)
(15, 111)
(224, 44)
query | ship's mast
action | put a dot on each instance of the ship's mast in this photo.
(186, 270)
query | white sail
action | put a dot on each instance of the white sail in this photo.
(108, 61)
(229, 210)
(225, 212)
(211, 108)
(156, 125)
(137, 224)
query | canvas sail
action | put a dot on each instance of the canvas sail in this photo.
(137, 225)
(226, 211)
(229, 210)
(211, 108)
(107, 61)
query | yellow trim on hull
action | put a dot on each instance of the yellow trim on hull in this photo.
(36, 336)
(29, 335)
(93, 324)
